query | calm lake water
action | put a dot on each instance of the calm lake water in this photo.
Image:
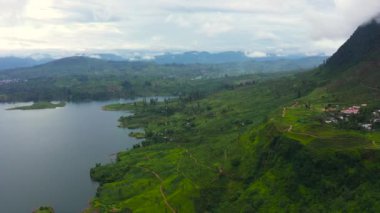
(46, 155)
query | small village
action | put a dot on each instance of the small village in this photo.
(353, 117)
(10, 81)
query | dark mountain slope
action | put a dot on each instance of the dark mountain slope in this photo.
(365, 42)
(353, 72)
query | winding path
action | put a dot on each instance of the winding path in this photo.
(158, 177)
(162, 190)
(196, 160)
(284, 112)
(290, 130)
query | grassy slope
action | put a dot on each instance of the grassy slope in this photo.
(204, 132)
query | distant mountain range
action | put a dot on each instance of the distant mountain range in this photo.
(81, 65)
(19, 62)
(193, 57)
(201, 58)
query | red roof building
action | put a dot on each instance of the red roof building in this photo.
(351, 110)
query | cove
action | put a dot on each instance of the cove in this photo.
(46, 155)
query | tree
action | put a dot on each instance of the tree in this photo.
(126, 85)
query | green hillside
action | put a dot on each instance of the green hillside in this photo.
(275, 146)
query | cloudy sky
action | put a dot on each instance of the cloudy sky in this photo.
(256, 26)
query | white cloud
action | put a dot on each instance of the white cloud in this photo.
(271, 26)
(178, 20)
(328, 45)
(216, 24)
(256, 54)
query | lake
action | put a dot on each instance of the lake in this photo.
(46, 155)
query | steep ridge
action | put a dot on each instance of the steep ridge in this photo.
(364, 43)
(353, 72)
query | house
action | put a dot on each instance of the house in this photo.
(331, 120)
(330, 109)
(366, 126)
(351, 110)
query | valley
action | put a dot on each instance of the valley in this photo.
(281, 129)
